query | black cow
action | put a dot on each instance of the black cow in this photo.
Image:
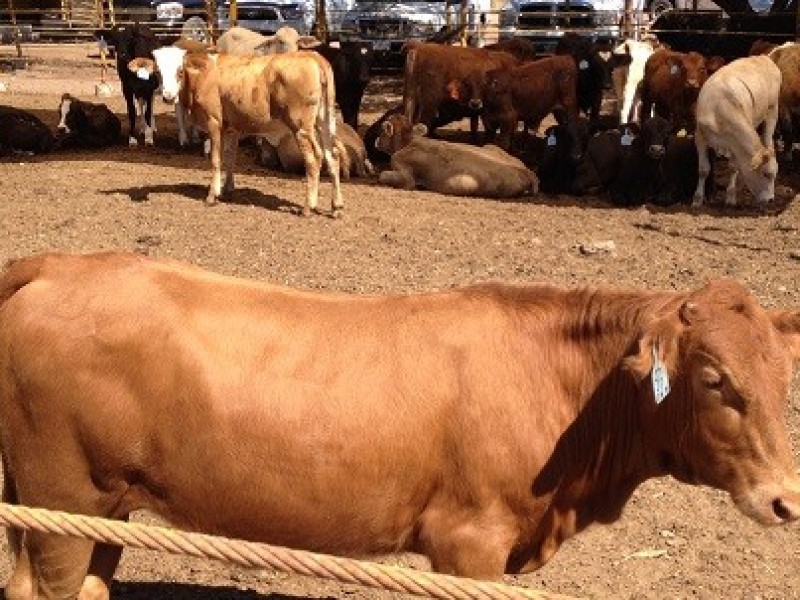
(134, 45)
(21, 131)
(601, 162)
(372, 133)
(352, 65)
(87, 125)
(565, 145)
(594, 70)
(656, 167)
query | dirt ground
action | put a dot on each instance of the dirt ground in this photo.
(673, 541)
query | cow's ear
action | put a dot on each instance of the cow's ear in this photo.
(387, 128)
(762, 157)
(658, 343)
(307, 41)
(788, 325)
(268, 46)
(420, 129)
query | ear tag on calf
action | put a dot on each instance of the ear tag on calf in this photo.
(674, 70)
(583, 65)
(659, 376)
(626, 139)
(682, 133)
(551, 139)
(143, 74)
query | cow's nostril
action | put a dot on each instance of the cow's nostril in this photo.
(782, 511)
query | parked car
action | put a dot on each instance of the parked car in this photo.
(267, 16)
(387, 25)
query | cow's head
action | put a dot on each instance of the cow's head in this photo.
(728, 363)
(714, 64)
(169, 62)
(286, 39)
(694, 69)
(497, 88)
(655, 134)
(570, 137)
(467, 90)
(760, 174)
(67, 111)
(397, 132)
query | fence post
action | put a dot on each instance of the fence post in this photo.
(15, 27)
(211, 17)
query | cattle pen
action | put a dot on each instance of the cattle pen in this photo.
(672, 540)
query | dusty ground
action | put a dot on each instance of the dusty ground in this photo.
(673, 541)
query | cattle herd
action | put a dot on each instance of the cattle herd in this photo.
(676, 113)
(481, 426)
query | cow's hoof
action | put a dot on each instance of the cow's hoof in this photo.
(133, 142)
(697, 202)
(338, 213)
(211, 200)
(306, 211)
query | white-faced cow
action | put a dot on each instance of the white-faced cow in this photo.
(737, 112)
(480, 426)
(134, 45)
(227, 95)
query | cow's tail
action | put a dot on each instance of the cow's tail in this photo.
(409, 82)
(326, 120)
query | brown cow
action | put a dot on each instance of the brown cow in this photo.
(671, 83)
(429, 76)
(527, 93)
(787, 58)
(228, 95)
(480, 426)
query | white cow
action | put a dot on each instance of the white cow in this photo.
(626, 78)
(244, 42)
(732, 104)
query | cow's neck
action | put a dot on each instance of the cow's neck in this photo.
(603, 454)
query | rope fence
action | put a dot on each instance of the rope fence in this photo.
(263, 556)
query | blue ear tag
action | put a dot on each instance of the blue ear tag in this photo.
(551, 139)
(626, 139)
(659, 376)
(583, 65)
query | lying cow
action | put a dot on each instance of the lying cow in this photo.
(564, 150)
(245, 42)
(279, 150)
(87, 125)
(494, 422)
(228, 95)
(448, 167)
(21, 131)
(737, 112)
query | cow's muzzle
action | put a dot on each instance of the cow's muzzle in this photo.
(476, 104)
(656, 150)
(169, 98)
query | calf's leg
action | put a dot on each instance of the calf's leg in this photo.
(703, 168)
(312, 156)
(149, 124)
(132, 141)
(215, 142)
(230, 147)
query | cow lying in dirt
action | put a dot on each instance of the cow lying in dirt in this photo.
(279, 150)
(447, 167)
(493, 422)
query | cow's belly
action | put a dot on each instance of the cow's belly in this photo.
(294, 425)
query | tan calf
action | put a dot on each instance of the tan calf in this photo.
(227, 95)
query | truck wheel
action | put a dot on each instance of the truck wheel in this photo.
(657, 7)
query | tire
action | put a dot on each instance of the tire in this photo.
(656, 7)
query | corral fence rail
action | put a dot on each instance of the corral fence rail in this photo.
(263, 556)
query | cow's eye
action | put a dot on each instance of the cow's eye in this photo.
(711, 378)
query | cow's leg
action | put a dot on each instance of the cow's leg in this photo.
(470, 544)
(230, 148)
(333, 158)
(149, 124)
(473, 129)
(730, 191)
(132, 141)
(215, 143)
(57, 566)
(312, 155)
(180, 120)
(398, 177)
(703, 168)
(97, 584)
